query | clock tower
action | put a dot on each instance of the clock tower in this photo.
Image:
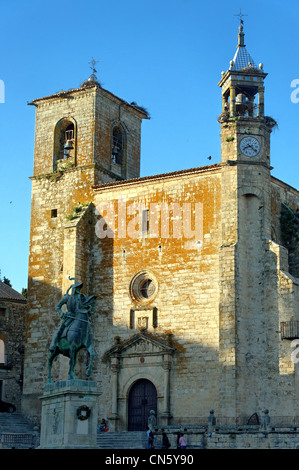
(246, 231)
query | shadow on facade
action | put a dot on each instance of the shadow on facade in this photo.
(188, 372)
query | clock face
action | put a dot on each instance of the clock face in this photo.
(250, 146)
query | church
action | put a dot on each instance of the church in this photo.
(196, 272)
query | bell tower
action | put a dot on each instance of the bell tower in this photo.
(84, 137)
(245, 131)
(246, 231)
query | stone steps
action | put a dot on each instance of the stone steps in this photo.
(122, 440)
(14, 423)
(16, 431)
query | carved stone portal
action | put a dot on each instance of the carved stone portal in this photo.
(140, 357)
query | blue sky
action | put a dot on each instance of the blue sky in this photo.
(165, 54)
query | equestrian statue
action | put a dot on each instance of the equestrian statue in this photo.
(74, 332)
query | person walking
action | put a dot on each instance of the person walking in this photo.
(150, 438)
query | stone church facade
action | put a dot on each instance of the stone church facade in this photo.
(196, 272)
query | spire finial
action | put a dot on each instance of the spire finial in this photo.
(241, 34)
(240, 15)
(92, 66)
(92, 80)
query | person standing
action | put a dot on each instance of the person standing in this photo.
(182, 442)
(165, 441)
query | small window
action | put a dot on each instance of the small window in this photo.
(117, 145)
(2, 352)
(147, 289)
(2, 311)
(143, 287)
(145, 222)
(53, 213)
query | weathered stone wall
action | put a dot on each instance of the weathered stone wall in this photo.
(80, 108)
(285, 221)
(94, 111)
(233, 438)
(187, 292)
(110, 111)
(12, 332)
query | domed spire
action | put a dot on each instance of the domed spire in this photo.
(242, 58)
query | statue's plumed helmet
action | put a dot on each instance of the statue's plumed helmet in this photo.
(76, 285)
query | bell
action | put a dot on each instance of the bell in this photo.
(68, 145)
(240, 99)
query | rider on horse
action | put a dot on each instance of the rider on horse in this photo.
(74, 302)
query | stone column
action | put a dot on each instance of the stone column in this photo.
(251, 107)
(232, 104)
(115, 371)
(166, 415)
(261, 102)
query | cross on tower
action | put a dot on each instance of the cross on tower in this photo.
(240, 15)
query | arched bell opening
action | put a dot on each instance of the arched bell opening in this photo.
(64, 142)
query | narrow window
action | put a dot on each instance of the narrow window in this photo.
(155, 317)
(117, 145)
(2, 311)
(145, 222)
(53, 213)
(2, 352)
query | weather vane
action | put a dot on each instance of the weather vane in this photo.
(92, 65)
(240, 15)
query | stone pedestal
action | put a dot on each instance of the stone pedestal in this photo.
(69, 415)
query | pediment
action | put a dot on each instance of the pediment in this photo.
(140, 344)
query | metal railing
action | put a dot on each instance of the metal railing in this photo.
(289, 329)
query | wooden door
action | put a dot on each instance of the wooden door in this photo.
(142, 399)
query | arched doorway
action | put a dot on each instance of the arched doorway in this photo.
(142, 399)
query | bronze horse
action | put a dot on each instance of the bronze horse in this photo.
(74, 333)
